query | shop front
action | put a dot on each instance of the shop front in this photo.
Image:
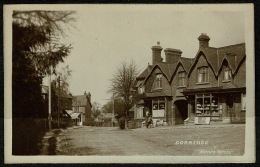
(216, 105)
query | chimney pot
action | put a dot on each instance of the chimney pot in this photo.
(203, 40)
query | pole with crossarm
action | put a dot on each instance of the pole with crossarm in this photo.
(49, 113)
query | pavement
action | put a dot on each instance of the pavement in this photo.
(164, 140)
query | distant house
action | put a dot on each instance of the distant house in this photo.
(81, 104)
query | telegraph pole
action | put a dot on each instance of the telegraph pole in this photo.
(49, 114)
(59, 103)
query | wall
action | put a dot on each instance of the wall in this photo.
(151, 82)
(240, 77)
(193, 77)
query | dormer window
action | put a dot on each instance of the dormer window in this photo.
(203, 75)
(158, 84)
(182, 78)
(227, 73)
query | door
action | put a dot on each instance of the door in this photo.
(230, 109)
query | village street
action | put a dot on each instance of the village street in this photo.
(177, 140)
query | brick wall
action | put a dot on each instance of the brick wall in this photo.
(193, 77)
(240, 77)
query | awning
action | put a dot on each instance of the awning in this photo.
(140, 102)
(213, 90)
(75, 115)
(132, 109)
(69, 112)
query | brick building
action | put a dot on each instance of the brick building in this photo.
(200, 90)
(81, 105)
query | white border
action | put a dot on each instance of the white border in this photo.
(249, 156)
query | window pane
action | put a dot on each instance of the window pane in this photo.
(161, 105)
(155, 106)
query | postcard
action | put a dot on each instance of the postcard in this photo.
(96, 83)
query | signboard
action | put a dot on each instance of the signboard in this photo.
(158, 113)
(202, 120)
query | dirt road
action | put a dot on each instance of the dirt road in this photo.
(178, 140)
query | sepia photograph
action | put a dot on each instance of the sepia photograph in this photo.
(129, 83)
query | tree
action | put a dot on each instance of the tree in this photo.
(39, 34)
(96, 109)
(64, 74)
(122, 82)
(117, 105)
(36, 50)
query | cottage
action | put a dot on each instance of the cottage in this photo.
(81, 104)
(204, 89)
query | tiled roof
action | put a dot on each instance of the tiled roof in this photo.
(215, 56)
(145, 72)
(186, 62)
(234, 54)
(80, 100)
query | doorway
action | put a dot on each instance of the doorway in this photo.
(181, 111)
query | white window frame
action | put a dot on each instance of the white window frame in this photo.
(203, 74)
(182, 78)
(158, 84)
(227, 74)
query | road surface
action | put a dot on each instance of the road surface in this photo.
(177, 140)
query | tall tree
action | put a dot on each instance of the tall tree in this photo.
(96, 109)
(122, 82)
(64, 75)
(36, 50)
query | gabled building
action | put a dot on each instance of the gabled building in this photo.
(81, 104)
(217, 84)
(193, 90)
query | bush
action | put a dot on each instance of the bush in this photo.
(121, 123)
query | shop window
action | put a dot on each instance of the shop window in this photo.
(207, 105)
(203, 75)
(243, 101)
(158, 81)
(227, 73)
(158, 108)
(182, 78)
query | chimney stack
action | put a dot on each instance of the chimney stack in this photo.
(203, 40)
(157, 53)
(89, 96)
(172, 55)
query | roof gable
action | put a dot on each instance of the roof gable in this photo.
(80, 100)
(165, 69)
(210, 63)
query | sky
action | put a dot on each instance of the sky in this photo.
(104, 37)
